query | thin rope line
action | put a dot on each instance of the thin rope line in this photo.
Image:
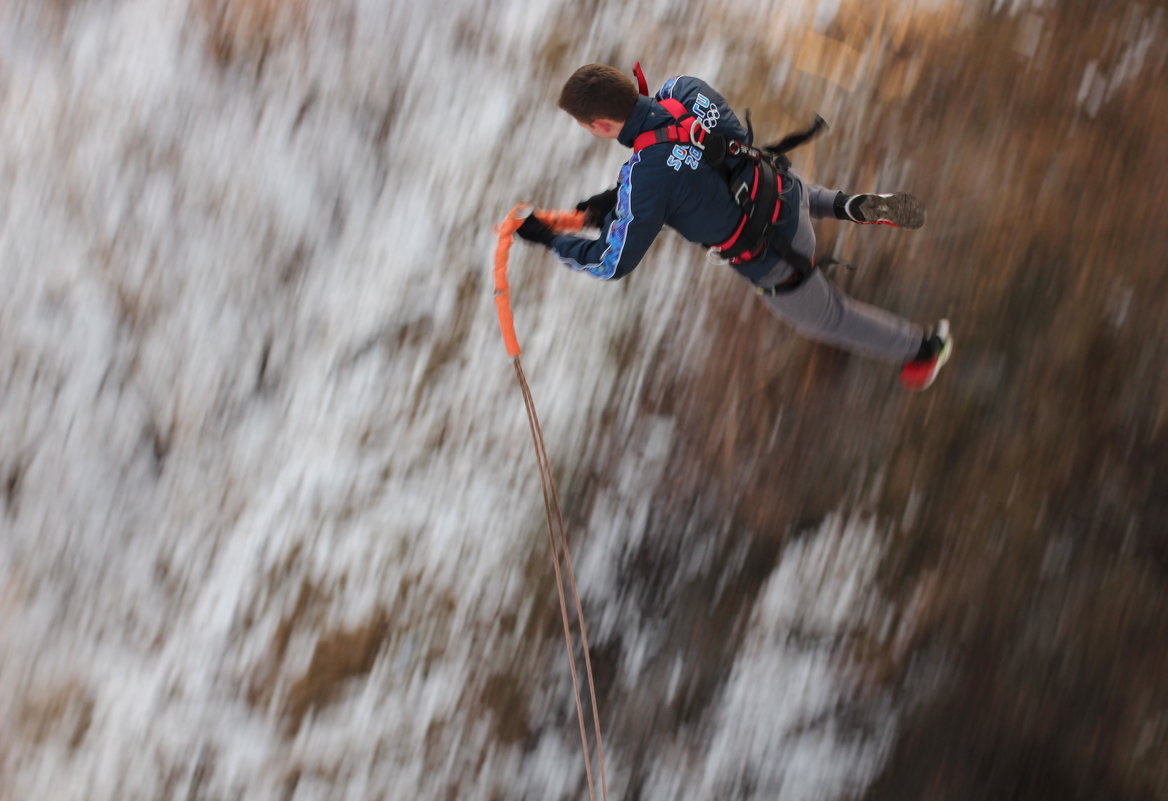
(552, 503)
(536, 434)
(542, 444)
(569, 568)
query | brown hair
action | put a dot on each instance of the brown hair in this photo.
(598, 91)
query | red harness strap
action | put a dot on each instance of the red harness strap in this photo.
(753, 214)
(758, 193)
(687, 131)
(642, 84)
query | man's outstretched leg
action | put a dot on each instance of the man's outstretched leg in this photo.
(818, 310)
(899, 208)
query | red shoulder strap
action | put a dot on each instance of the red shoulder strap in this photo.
(675, 108)
(642, 84)
(681, 133)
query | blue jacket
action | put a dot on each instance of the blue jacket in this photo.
(665, 184)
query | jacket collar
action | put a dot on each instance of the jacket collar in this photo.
(646, 115)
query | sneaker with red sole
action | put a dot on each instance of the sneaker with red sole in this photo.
(899, 209)
(920, 373)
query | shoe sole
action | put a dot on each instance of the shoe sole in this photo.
(942, 358)
(900, 209)
(946, 352)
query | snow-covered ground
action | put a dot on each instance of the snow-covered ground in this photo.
(254, 405)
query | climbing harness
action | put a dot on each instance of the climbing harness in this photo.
(759, 183)
(560, 222)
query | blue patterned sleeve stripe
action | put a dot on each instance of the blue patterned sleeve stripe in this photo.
(618, 232)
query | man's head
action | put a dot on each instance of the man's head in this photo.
(600, 98)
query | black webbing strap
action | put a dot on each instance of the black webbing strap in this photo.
(801, 267)
(760, 210)
(794, 140)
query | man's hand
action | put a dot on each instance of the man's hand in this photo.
(597, 207)
(534, 230)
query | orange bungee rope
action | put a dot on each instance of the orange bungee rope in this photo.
(560, 222)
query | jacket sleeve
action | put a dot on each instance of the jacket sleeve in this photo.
(641, 199)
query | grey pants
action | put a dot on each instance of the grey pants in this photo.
(820, 311)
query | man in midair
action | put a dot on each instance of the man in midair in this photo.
(755, 212)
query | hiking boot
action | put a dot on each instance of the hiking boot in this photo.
(919, 373)
(900, 209)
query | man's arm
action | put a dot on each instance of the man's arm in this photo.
(642, 194)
